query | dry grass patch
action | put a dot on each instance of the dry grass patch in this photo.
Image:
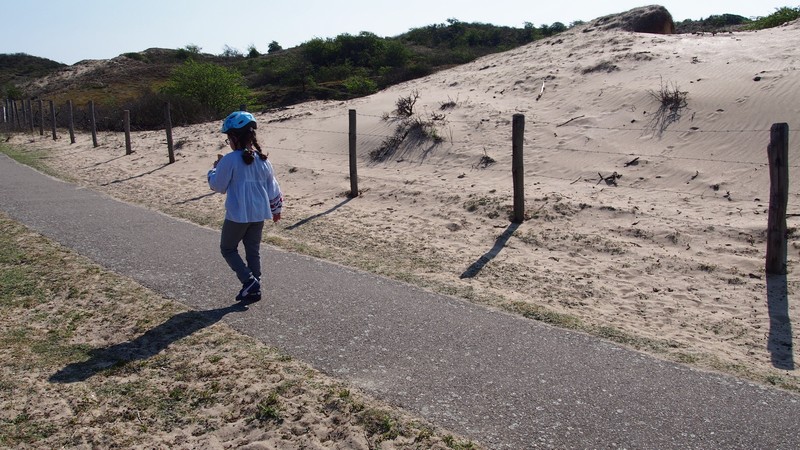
(93, 359)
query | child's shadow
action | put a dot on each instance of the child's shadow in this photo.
(145, 346)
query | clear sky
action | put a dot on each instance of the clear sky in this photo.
(69, 31)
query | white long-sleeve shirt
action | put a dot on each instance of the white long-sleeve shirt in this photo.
(253, 192)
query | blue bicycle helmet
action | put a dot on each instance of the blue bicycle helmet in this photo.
(238, 120)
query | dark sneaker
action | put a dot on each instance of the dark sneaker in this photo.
(251, 290)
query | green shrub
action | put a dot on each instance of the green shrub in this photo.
(779, 17)
(360, 85)
(220, 89)
(135, 56)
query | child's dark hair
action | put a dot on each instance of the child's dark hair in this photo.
(247, 140)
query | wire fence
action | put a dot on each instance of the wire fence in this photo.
(378, 132)
(23, 116)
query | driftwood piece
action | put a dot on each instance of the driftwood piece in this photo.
(633, 162)
(570, 120)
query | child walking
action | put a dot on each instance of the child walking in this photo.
(246, 176)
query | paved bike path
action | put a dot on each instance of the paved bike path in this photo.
(501, 380)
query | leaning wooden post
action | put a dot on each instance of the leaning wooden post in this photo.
(71, 119)
(353, 160)
(94, 123)
(778, 153)
(53, 118)
(169, 134)
(41, 117)
(127, 125)
(517, 169)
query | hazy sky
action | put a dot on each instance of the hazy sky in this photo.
(68, 31)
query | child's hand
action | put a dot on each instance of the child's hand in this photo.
(219, 157)
(276, 217)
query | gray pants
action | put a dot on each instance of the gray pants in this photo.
(248, 234)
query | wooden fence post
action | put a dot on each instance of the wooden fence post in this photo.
(778, 154)
(53, 118)
(94, 123)
(24, 123)
(517, 167)
(169, 134)
(5, 115)
(353, 160)
(71, 122)
(127, 124)
(9, 114)
(16, 114)
(41, 117)
(30, 113)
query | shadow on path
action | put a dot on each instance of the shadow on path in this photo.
(780, 326)
(316, 216)
(501, 241)
(145, 346)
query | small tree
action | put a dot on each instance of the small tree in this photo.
(193, 49)
(252, 52)
(11, 91)
(214, 86)
(187, 52)
(274, 47)
(230, 52)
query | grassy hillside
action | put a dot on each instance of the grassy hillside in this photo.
(20, 67)
(339, 68)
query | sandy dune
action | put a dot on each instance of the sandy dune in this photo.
(667, 256)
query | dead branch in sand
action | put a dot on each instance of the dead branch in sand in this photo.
(610, 180)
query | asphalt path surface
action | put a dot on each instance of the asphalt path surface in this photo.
(498, 379)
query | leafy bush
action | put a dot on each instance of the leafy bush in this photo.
(360, 85)
(779, 17)
(220, 89)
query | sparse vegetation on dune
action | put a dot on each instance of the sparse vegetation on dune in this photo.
(779, 17)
